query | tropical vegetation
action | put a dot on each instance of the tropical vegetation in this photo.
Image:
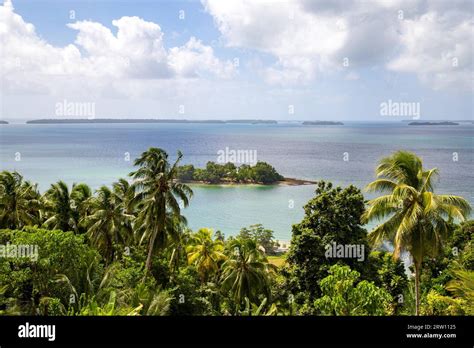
(214, 173)
(126, 249)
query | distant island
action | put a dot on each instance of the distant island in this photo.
(3, 122)
(142, 120)
(322, 123)
(228, 173)
(444, 123)
(441, 120)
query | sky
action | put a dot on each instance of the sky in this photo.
(236, 59)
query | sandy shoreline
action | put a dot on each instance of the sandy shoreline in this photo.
(285, 182)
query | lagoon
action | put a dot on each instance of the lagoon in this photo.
(100, 153)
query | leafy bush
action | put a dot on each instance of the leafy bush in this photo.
(332, 216)
(59, 252)
(343, 294)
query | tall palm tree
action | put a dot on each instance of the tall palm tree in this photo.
(177, 247)
(64, 209)
(124, 194)
(246, 272)
(106, 225)
(418, 219)
(19, 201)
(206, 253)
(158, 193)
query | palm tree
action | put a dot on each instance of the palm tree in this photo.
(418, 219)
(19, 201)
(462, 286)
(106, 224)
(181, 236)
(157, 192)
(124, 194)
(246, 272)
(205, 253)
(64, 209)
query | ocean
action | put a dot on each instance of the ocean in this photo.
(98, 154)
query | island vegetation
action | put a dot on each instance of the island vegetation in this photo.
(142, 120)
(3, 122)
(125, 249)
(214, 173)
(444, 123)
(322, 123)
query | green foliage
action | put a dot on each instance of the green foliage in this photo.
(129, 251)
(436, 304)
(19, 201)
(332, 216)
(63, 210)
(158, 194)
(264, 173)
(58, 253)
(214, 173)
(389, 274)
(255, 310)
(343, 294)
(462, 286)
(418, 220)
(205, 253)
(263, 237)
(457, 254)
(190, 297)
(186, 172)
(246, 272)
(107, 226)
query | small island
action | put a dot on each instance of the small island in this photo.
(143, 120)
(221, 174)
(322, 123)
(444, 123)
(3, 122)
(252, 121)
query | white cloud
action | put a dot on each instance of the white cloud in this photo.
(194, 59)
(310, 37)
(135, 52)
(298, 39)
(438, 50)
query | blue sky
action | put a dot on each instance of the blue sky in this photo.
(238, 59)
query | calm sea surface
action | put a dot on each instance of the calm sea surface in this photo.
(96, 154)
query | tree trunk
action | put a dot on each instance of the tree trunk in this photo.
(150, 253)
(159, 229)
(417, 288)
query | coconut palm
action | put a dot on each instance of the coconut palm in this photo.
(462, 286)
(205, 253)
(106, 225)
(158, 193)
(19, 201)
(246, 272)
(124, 194)
(177, 248)
(64, 209)
(417, 218)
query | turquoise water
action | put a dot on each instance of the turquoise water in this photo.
(97, 154)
